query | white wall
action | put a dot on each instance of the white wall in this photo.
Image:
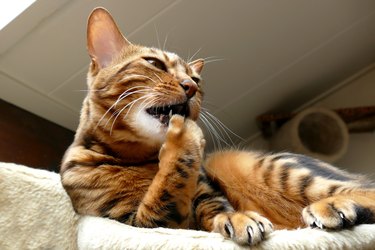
(360, 156)
(357, 91)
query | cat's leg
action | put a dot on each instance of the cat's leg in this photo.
(145, 196)
(252, 182)
(282, 186)
(170, 194)
(214, 213)
(342, 210)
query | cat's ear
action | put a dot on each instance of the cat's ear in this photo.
(104, 39)
(197, 65)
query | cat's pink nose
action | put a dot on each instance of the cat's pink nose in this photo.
(190, 87)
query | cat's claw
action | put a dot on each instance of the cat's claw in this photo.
(342, 215)
(262, 230)
(318, 223)
(248, 228)
(331, 214)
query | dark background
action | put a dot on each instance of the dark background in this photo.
(31, 140)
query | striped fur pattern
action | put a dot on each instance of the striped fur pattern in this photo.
(293, 190)
(138, 152)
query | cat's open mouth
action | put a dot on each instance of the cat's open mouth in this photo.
(164, 113)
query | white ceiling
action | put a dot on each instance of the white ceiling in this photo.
(274, 55)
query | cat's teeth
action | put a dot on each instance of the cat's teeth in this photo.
(164, 119)
(170, 113)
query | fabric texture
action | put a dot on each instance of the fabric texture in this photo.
(36, 213)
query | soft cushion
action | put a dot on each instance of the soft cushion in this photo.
(36, 213)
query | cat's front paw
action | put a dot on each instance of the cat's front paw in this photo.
(333, 213)
(175, 127)
(185, 138)
(247, 228)
(185, 132)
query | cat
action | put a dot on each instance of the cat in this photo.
(138, 155)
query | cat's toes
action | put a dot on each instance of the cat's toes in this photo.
(194, 130)
(331, 213)
(248, 228)
(176, 125)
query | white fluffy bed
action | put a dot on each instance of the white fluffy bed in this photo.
(36, 213)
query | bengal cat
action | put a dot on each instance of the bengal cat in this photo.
(138, 152)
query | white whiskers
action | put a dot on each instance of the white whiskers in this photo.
(190, 59)
(165, 41)
(158, 77)
(157, 36)
(130, 105)
(219, 133)
(136, 75)
(211, 59)
(131, 91)
(125, 94)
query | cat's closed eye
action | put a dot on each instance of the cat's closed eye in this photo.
(156, 63)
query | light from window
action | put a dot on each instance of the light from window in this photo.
(11, 9)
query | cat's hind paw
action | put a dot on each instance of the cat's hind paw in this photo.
(248, 228)
(335, 213)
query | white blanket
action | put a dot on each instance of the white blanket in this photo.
(36, 213)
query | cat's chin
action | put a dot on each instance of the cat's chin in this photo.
(154, 129)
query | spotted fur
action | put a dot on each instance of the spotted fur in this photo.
(137, 155)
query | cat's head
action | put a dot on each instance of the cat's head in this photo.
(134, 88)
